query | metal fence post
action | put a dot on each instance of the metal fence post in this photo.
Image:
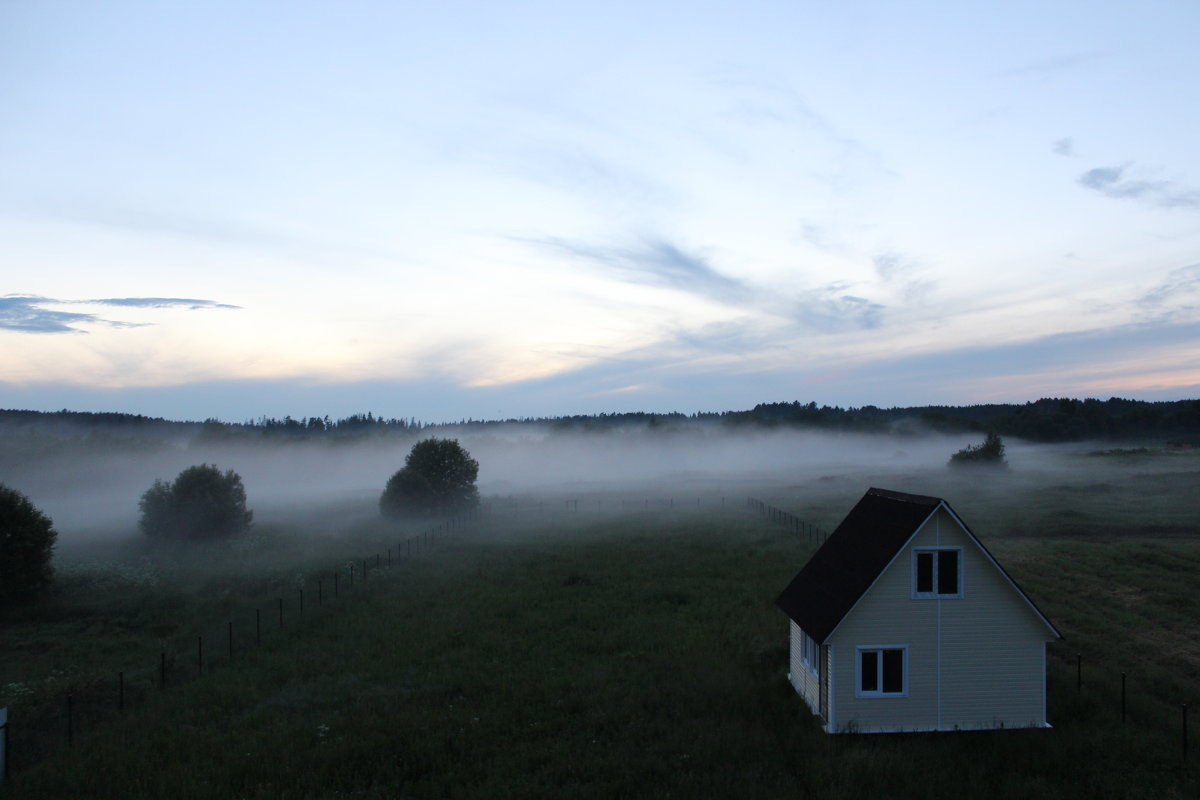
(3, 744)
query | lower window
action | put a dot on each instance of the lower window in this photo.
(882, 671)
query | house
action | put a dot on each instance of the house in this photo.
(903, 621)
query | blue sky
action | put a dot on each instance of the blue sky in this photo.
(467, 209)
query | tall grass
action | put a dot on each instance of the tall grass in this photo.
(636, 657)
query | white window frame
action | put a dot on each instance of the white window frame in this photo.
(807, 642)
(879, 648)
(934, 595)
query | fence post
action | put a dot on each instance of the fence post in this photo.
(71, 714)
(1078, 671)
(258, 626)
(3, 744)
(1185, 743)
(281, 612)
(200, 655)
(231, 640)
(120, 691)
(1122, 698)
(162, 670)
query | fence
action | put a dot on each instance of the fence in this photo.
(815, 535)
(220, 647)
(1105, 694)
(46, 727)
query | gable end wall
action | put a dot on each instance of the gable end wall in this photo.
(973, 662)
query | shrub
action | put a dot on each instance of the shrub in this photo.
(991, 452)
(202, 503)
(438, 476)
(26, 546)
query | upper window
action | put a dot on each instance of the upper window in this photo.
(882, 671)
(937, 572)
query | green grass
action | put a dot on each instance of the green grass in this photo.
(592, 655)
(620, 658)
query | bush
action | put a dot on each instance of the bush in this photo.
(26, 546)
(202, 503)
(438, 476)
(991, 453)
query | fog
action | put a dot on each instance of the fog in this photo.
(92, 491)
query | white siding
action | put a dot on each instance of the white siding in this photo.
(801, 678)
(973, 662)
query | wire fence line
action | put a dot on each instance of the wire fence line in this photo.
(778, 515)
(60, 723)
(44, 728)
(49, 726)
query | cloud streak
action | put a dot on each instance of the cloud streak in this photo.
(29, 313)
(660, 263)
(1113, 182)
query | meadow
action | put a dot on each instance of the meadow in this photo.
(598, 642)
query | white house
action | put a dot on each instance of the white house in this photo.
(903, 621)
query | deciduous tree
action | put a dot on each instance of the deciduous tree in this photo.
(438, 476)
(27, 539)
(201, 503)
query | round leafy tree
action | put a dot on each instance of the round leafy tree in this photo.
(438, 476)
(26, 546)
(202, 503)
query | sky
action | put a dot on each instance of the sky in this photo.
(490, 210)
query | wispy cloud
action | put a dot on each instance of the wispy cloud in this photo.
(1052, 65)
(894, 268)
(831, 309)
(1064, 147)
(1113, 182)
(31, 314)
(658, 262)
(1177, 296)
(27, 314)
(161, 302)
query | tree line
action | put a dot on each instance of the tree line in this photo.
(1044, 420)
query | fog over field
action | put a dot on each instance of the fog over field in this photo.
(92, 492)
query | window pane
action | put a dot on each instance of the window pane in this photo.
(893, 670)
(870, 671)
(947, 570)
(924, 572)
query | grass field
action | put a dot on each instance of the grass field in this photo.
(598, 655)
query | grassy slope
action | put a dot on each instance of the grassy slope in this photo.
(638, 658)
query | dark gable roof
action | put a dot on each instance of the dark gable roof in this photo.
(852, 557)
